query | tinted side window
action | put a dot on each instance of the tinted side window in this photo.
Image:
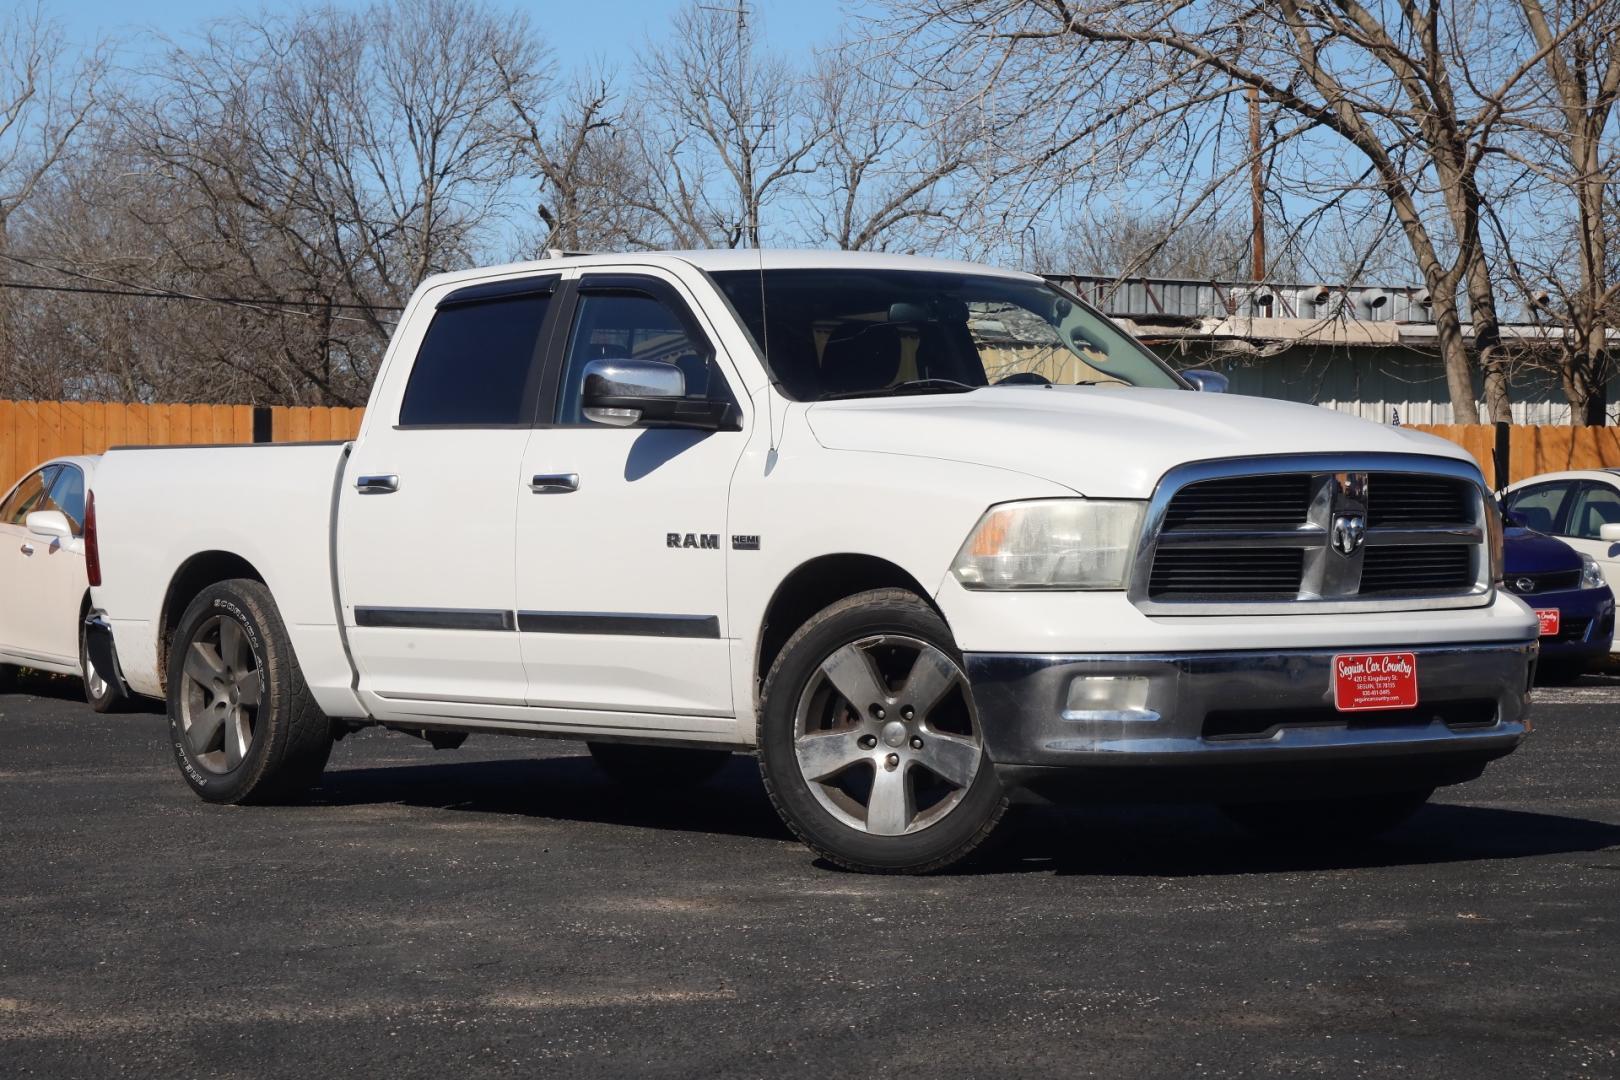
(1595, 506)
(1539, 505)
(67, 495)
(475, 363)
(628, 326)
(27, 497)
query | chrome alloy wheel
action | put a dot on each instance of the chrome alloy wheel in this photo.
(886, 736)
(219, 702)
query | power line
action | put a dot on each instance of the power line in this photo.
(266, 306)
(257, 301)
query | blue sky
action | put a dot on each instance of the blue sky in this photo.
(603, 28)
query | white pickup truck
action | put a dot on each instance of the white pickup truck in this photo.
(924, 536)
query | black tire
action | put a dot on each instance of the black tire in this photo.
(111, 696)
(290, 737)
(1331, 821)
(657, 768)
(868, 620)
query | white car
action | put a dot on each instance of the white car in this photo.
(834, 509)
(42, 577)
(1580, 507)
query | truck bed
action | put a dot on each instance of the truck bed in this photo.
(270, 506)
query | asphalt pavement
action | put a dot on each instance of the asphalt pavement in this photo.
(504, 910)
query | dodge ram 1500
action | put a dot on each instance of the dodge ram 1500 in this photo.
(924, 536)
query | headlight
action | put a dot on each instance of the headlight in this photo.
(1591, 572)
(1051, 544)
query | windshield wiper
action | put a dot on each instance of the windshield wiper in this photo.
(910, 386)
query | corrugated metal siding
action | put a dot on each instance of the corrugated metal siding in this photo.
(1378, 384)
(1290, 300)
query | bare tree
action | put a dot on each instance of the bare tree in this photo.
(722, 133)
(1574, 153)
(1390, 86)
(884, 173)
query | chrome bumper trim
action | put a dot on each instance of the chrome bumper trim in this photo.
(1022, 702)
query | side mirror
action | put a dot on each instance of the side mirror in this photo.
(1210, 382)
(49, 523)
(1609, 533)
(1515, 519)
(650, 393)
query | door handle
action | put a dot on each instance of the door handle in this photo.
(27, 548)
(377, 485)
(554, 483)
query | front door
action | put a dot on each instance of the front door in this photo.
(43, 576)
(1593, 505)
(425, 531)
(621, 535)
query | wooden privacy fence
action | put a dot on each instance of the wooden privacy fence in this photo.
(1534, 448)
(33, 431)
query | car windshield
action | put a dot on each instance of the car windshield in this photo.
(860, 333)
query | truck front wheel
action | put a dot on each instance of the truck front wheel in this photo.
(869, 741)
(242, 722)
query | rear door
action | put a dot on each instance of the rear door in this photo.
(425, 533)
(622, 539)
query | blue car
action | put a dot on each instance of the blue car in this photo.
(1567, 590)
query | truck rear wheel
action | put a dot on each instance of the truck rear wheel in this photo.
(242, 722)
(661, 767)
(869, 741)
(1328, 820)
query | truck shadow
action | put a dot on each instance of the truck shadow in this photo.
(1145, 841)
(71, 688)
(566, 788)
(1196, 841)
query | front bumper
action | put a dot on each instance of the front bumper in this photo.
(1234, 724)
(1586, 624)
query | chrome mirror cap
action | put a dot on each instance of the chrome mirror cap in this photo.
(613, 389)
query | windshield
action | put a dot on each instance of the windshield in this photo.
(844, 333)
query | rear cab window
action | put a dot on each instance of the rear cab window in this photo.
(478, 363)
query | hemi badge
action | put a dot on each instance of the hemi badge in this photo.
(745, 543)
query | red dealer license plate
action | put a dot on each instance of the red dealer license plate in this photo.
(1549, 621)
(1363, 681)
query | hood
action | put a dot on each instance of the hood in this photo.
(1100, 441)
(1526, 551)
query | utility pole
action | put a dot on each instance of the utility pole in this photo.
(1257, 189)
(748, 146)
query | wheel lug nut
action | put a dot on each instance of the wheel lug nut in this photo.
(892, 762)
(916, 742)
(866, 742)
(907, 713)
(877, 711)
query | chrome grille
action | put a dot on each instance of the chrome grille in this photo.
(1323, 532)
